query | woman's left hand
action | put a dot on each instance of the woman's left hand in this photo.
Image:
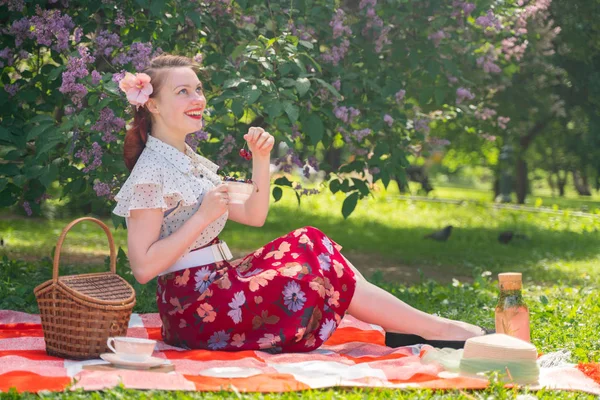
(260, 142)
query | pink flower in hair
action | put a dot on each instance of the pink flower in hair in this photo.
(137, 87)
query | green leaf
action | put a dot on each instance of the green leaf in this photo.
(55, 72)
(156, 7)
(349, 204)
(313, 126)
(239, 49)
(302, 86)
(9, 170)
(251, 94)
(238, 108)
(243, 3)
(274, 109)
(330, 88)
(40, 118)
(361, 186)
(49, 175)
(7, 136)
(277, 193)
(38, 130)
(440, 94)
(306, 44)
(48, 141)
(196, 19)
(283, 181)
(292, 111)
(233, 82)
(334, 186)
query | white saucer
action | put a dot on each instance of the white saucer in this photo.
(146, 364)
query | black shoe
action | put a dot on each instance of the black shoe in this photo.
(405, 339)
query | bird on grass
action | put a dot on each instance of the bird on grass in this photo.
(506, 236)
(441, 235)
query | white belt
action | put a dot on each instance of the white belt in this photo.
(207, 255)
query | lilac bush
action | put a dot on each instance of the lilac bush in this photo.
(370, 80)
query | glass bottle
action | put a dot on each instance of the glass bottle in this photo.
(512, 314)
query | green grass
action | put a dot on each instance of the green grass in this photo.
(559, 262)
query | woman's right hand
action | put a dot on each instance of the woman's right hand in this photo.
(215, 203)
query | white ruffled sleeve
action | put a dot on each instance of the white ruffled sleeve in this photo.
(156, 184)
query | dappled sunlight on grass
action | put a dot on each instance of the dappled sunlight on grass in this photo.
(559, 247)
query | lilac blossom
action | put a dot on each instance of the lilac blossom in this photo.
(199, 58)
(120, 20)
(103, 189)
(86, 155)
(301, 31)
(50, 25)
(27, 208)
(337, 85)
(437, 37)
(487, 63)
(400, 95)
(337, 23)
(194, 139)
(303, 191)
(364, 3)
(337, 53)
(106, 42)
(374, 170)
(511, 49)
(108, 124)
(462, 7)
(462, 94)
(21, 30)
(388, 120)
(422, 125)
(288, 161)
(485, 114)
(76, 68)
(11, 89)
(13, 5)
(118, 76)
(8, 55)
(295, 132)
(248, 19)
(346, 114)
(488, 21)
(502, 121)
(96, 77)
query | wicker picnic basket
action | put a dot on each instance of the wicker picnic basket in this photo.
(80, 312)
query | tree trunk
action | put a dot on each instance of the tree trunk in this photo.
(522, 180)
(551, 184)
(561, 182)
(581, 183)
(333, 157)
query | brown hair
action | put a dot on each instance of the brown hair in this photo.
(137, 135)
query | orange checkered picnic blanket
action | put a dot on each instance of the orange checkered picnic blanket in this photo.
(355, 355)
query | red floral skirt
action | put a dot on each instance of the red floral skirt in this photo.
(288, 296)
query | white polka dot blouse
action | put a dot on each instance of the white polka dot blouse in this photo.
(166, 178)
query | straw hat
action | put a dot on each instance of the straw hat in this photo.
(505, 354)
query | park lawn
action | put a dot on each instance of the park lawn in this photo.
(559, 262)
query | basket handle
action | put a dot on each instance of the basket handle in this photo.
(111, 243)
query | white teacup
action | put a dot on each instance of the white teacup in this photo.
(239, 192)
(131, 349)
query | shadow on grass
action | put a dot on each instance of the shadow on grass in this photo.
(547, 257)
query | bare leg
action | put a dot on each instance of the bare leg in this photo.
(374, 305)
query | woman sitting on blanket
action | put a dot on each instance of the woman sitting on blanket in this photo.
(287, 296)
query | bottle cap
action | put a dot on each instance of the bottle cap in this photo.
(510, 280)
